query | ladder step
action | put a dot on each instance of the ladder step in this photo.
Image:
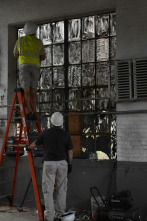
(13, 153)
(16, 145)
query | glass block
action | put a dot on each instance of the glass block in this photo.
(45, 122)
(46, 78)
(113, 147)
(45, 97)
(106, 124)
(103, 92)
(89, 124)
(58, 100)
(58, 54)
(113, 73)
(88, 74)
(73, 95)
(112, 24)
(88, 27)
(113, 124)
(74, 52)
(58, 32)
(89, 104)
(103, 144)
(88, 51)
(102, 71)
(48, 60)
(113, 48)
(113, 136)
(102, 123)
(74, 29)
(74, 76)
(102, 49)
(58, 77)
(103, 102)
(113, 97)
(46, 34)
(21, 33)
(102, 25)
(88, 144)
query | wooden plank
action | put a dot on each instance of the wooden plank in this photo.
(77, 145)
(74, 124)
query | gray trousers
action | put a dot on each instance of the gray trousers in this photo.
(54, 172)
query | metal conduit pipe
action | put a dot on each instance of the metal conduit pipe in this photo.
(88, 113)
(4, 106)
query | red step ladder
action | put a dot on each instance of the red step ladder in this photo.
(20, 146)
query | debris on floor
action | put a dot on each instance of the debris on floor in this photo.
(8, 213)
(81, 215)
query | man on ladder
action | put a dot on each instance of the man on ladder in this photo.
(30, 51)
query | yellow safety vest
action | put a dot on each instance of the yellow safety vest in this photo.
(29, 48)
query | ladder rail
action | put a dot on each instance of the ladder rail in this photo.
(32, 168)
(18, 95)
(35, 186)
(15, 176)
(23, 117)
(7, 128)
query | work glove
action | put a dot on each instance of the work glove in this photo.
(69, 168)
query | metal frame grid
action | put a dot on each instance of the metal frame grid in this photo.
(78, 78)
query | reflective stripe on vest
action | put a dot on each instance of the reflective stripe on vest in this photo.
(29, 43)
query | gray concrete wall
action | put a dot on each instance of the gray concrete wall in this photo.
(85, 174)
(131, 128)
(132, 176)
(131, 29)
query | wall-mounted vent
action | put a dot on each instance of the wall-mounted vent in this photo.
(140, 79)
(124, 86)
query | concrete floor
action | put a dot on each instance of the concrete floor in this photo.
(30, 214)
(11, 213)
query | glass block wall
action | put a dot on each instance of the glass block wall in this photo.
(78, 79)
